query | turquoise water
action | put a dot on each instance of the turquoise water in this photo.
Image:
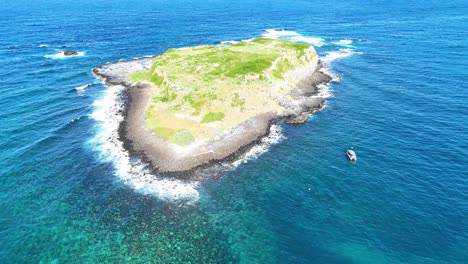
(67, 195)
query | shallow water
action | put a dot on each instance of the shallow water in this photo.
(67, 196)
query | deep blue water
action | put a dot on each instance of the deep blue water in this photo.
(402, 104)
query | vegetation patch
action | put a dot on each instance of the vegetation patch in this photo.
(199, 92)
(164, 132)
(282, 67)
(183, 137)
(250, 67)
(212, 117)
(263, 40)
(237, 101)
(140, 76)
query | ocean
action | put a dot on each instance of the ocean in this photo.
(69, 193)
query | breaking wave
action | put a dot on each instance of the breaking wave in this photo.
(339, 54)
(130, 170)
(293, 36)
(83, 87)
(274, 137)
(228, 42)
(343, 42)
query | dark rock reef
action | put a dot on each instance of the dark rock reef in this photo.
(70, 53)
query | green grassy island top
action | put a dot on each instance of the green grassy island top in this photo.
(200, 92)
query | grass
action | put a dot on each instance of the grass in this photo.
(199, 92)
(140, 76)
(249, 67)
(236, 101)
(212, 117)
(183, 137)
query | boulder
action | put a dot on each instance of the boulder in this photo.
(301, 119)
(70, 53)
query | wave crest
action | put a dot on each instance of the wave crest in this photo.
(343, 42)
(228, 42)
(274, 137)
(82, 88)
(339, 54)
(293, 36)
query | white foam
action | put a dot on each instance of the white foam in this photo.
(273, 33)
(293, 36)
(228, 42)
(274, 137)
(318, 42)
(344, 42)
(323, 91)
(339, 54)
(43, 46)
(83, 87)
(131, 171)
(61, 55)
(248, 40)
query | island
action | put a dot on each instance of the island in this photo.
(195, 106)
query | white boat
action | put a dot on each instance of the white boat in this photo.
(351, 155)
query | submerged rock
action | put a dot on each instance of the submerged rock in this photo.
(70, 53)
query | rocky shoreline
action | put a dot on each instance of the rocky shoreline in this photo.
(182, 161)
